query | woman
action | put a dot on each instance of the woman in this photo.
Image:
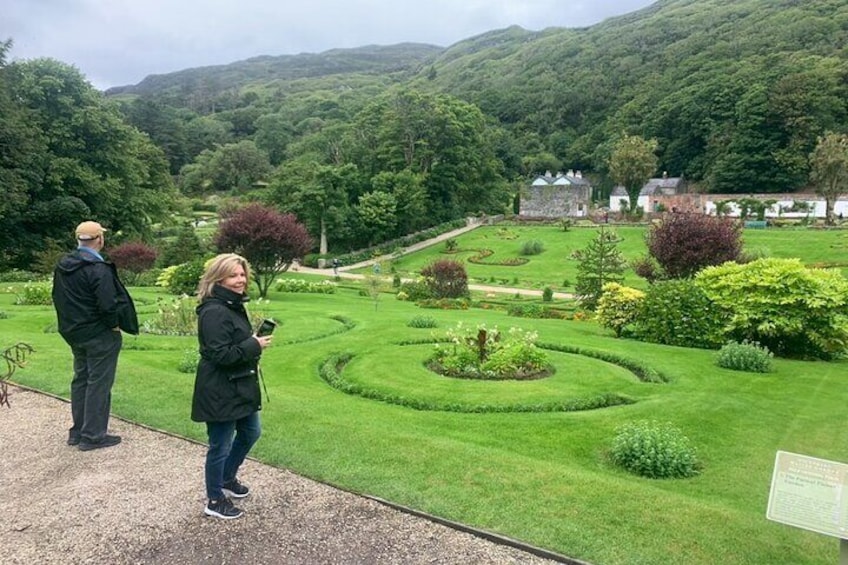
(226, 389)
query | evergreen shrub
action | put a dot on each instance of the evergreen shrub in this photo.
(677, 312)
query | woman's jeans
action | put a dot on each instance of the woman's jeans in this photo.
(226, 454)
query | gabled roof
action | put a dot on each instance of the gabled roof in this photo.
(568, 179)
(662, 185)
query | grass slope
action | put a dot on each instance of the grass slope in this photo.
(539, 477)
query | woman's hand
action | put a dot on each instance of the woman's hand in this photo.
(264, 341)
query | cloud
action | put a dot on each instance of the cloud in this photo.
(120, 42)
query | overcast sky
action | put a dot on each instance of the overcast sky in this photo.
(119, 42)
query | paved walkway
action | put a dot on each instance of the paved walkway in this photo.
(344, 271)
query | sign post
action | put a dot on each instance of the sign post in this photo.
(812, 494)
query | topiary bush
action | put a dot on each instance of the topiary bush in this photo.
(654, 450)
(685, 243)
(745, 356)
(547, 294)
(678, 312)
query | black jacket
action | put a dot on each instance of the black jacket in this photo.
(226, 387)
(90, 299)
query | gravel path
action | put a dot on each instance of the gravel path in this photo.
(142, 502)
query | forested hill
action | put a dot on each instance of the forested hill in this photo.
(735, 91)
(732, 89)
(368, 59)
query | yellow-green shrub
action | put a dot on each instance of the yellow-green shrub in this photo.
(618, 306)
(793, 310)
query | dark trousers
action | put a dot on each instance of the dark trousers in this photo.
(95, 362)
(226, 454)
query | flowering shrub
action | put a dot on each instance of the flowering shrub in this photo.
(174, 317)
(483, 353)
(301, 285)
(34, 295)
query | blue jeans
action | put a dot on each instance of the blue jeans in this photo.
(226, 452)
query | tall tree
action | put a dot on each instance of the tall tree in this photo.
(269, 240)
(316, 193)
(631, 164)
(829, 174)
(85, 162)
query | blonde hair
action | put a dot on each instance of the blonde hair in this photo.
(217, 269)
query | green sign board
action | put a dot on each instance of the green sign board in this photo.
(809, 493)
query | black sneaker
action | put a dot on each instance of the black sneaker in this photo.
(74, 438)
(236, 489)
(223, 509)
(107, 441)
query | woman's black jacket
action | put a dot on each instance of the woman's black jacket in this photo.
(226, 387)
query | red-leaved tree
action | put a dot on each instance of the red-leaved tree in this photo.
(268, 239)
(685, 243)
(132, 259)
(446, 279)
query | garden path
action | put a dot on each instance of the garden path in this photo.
(142, 502)
(344, 271)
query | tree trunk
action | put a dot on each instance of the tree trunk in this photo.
(829, 203)
(322, 249)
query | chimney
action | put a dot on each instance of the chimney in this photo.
(578, 174)
(665, 174)
(570, 173)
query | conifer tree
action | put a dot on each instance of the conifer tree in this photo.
(601, 262)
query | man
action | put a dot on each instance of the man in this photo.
(92, 306)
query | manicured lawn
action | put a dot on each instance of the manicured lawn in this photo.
(541, 477)
(555, 266)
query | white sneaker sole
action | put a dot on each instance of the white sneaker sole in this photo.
(214, 514)
(235, 494)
